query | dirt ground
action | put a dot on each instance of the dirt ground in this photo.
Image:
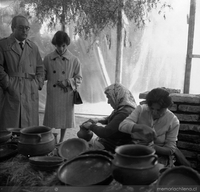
(70, 133)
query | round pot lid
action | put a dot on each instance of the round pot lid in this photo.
(86, 170)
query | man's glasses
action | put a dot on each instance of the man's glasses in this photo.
(22, 28)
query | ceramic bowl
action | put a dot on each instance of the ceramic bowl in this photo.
(15, 131)
(180, 175)
(7, 150)
(73, 147)
(5, 136)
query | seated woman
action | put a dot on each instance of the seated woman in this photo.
(154, 116)
(123, 103)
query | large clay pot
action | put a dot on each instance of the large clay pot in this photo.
(36, 141)
(135, 176)
(135, 165)
(34, 135)
(135, 156)
(84, 133)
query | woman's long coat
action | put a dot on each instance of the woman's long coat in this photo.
(21, 75)
(59, 109)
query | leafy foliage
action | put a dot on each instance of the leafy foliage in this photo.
(92, 16)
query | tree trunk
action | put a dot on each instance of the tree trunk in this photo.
(119, 52)
(63, 16)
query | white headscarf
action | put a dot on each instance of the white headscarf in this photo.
(120, 95)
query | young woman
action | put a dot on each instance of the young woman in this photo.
(63, 75)
(154, 124)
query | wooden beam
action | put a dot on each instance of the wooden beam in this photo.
(195, 56)
(189, 46)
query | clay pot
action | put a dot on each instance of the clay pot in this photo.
(84, 133)
(34, 135)
(135, 156)
(135, 176)
(36, 141)
(135, 165)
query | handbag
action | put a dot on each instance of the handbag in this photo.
(77, 98)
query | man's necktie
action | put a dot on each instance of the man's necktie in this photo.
(21, 45)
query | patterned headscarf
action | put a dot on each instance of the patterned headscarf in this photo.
(120, 95)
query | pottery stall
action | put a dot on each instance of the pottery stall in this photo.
(38, 162)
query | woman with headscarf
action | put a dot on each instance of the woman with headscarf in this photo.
(108, 136)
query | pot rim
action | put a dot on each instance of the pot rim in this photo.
(135, 146)
(23, 130)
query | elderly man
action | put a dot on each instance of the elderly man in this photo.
(21, 76)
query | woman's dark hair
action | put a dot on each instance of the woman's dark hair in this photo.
(60, 37)
(159, 96)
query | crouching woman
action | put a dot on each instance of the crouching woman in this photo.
(106, 129)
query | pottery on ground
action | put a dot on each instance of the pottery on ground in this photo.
(135, 165)
(34, 135)
(5, 136)
(135, 156)
(73, 147)
(180, 176)
(86, 170)
(35, 141)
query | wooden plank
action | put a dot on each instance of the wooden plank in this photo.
(195, 56)
(188, 146)
(190, 127)
(179, 97)
(189, 46)
(188, 118)
(189, 108)
(189, 154)
(185, 98)
(192, 138)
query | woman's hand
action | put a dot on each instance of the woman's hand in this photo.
(148, 132)
(94, 121)
(87, 124)
(63, 85)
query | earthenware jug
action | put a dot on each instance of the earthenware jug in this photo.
(84, 133)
